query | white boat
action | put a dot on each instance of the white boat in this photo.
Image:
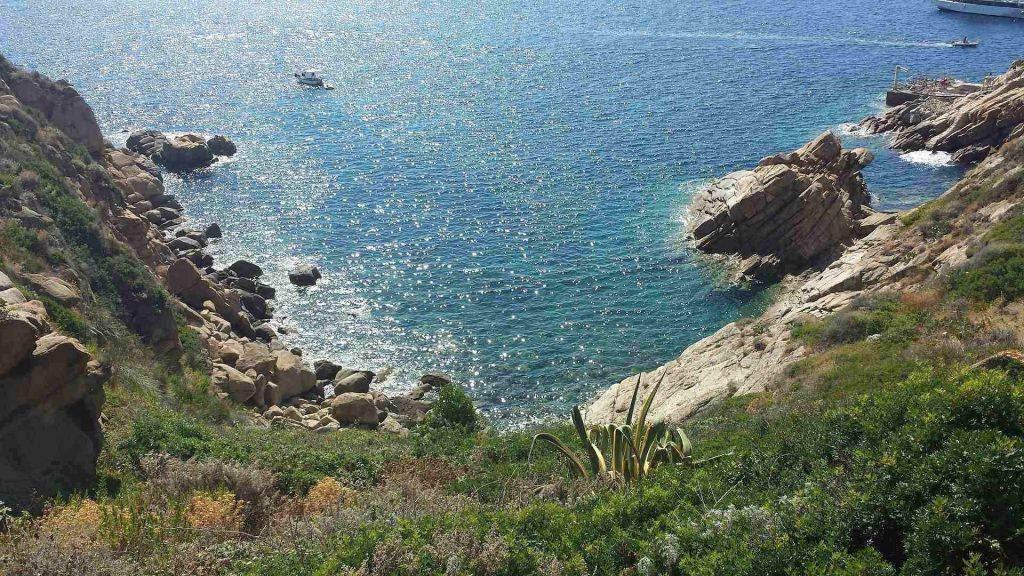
(312, 78)
(1005, 8)
(965, 43)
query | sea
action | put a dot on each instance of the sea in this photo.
(497, 189)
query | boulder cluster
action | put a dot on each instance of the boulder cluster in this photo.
(792, 211)
(970, 127)
(51, 393)
(231, 309)
(180, 153)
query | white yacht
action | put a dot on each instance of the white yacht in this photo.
(1006, 8)
(311, 78)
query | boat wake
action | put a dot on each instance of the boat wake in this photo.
(777, 38)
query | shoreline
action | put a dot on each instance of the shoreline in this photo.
(746, 356)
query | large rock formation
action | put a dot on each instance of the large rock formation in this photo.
(51, 392)
(748, 356)
(789, 212)
(180, 153)
(970, 127)
(58, 102)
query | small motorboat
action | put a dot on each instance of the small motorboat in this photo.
(965, 43)
(312, 79)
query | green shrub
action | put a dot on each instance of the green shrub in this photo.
(892, 320)
(453, 409)
(1008, 230)
(132, 278)
(22, 245)
(993, 273)
(808, 331)
(66, 320)
(195, 354)
(15, 236)
(161, 431)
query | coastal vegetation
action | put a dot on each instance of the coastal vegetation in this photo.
(884, 452)
(895, 445)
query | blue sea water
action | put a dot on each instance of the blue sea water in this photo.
(495, 188)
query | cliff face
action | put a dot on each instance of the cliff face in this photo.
(51, 393)
(899, 255)
(58, 103)
(51, 385)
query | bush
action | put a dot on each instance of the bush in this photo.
(67, 321)
(214, 512)
(28, 180)
(895, 321)
(453, 409)
(992, 274)
(253, 488)
(326, 495)
(20, 244)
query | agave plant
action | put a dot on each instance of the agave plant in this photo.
(628, 451)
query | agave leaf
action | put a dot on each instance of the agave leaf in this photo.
(597, 464)
(632, 401)
(642, 419)
(623, 451)
(614, 448)
(574, 462)
(633, 468)
(682, 441)
(651, 437)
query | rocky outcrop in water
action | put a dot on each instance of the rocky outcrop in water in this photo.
(749, 356)
(791, 211)
(115, 207)
(181, 153)
(970, 127)
(304, 275)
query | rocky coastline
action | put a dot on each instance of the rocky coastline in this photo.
(804, 217)
(872, 254)
(122, 235)
(970, 127)
(230, 308)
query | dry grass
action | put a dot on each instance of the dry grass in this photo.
(217, 513)
(326, 495)
(78, 523)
